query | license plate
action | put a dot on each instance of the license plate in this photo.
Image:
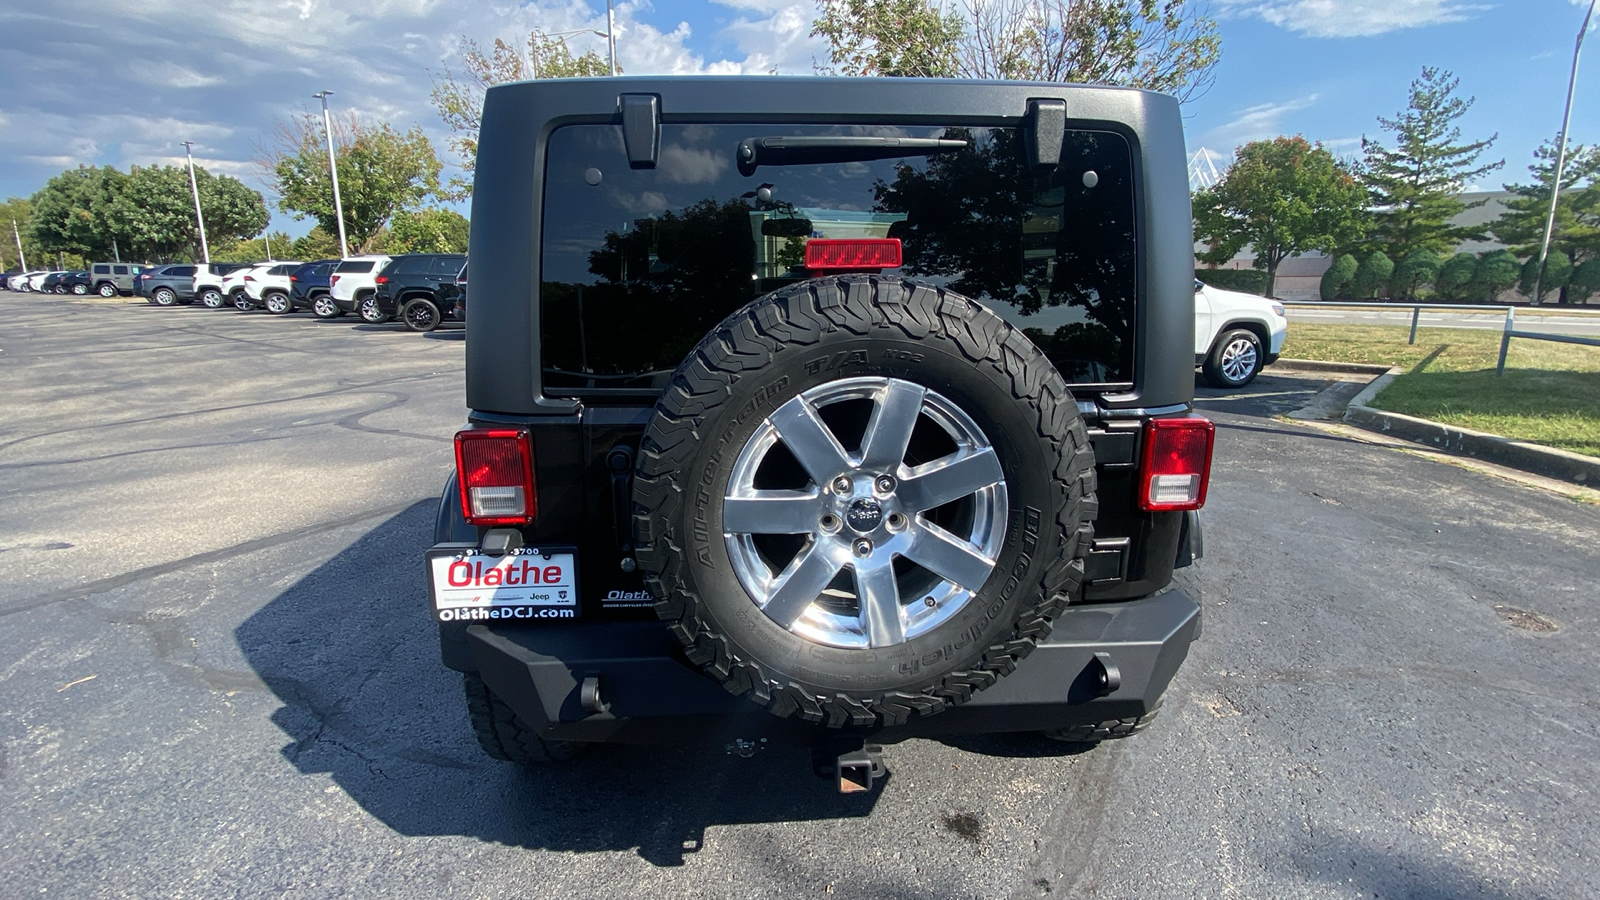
(523, 586)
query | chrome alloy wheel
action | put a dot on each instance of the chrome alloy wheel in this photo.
(324, 307)
(1239, 359)
(865, 512)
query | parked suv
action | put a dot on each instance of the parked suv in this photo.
(419, 289)
(308, 288)
(353, 282)
(267, 287)
(111, 279)
(168, 285)
(830, 412)
(208, 283)
(1236, 334)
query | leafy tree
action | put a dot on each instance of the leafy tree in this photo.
(1497, 272)
(1372, 275)
(153, 212)
(1576, 228)
(1418, 268)
(431, 230)
(255, 249)
(18, 210)
(1585, 279)
(1336, 281)
(1282, 197)
(381, 171)
(1163, 45)
(314, 244)
(72, 213)
(1557, 273)
(1456, 275)
(1415, 185)
(458, 96)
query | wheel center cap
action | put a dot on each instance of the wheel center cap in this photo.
(864, 515)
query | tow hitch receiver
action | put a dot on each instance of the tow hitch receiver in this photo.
(853, 764)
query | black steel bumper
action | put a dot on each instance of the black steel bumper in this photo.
(627, 682)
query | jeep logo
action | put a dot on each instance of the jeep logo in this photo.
(864, 515)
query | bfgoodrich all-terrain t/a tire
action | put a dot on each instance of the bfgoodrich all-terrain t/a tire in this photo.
(862, 500)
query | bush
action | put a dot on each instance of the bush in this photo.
(1496, 272)
(1371, 276)
(1251, 281)
(1585, 279)
(1419, 268)
(1557, 272)
(1336, 281)
(1454, 281)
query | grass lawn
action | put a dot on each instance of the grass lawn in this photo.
(1550, 393)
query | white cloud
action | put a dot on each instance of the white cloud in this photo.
(1351, 18)
(220, 72)
(1253, 123)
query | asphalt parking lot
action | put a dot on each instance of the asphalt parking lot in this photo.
(219, 679)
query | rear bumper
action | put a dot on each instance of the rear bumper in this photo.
(649, 694)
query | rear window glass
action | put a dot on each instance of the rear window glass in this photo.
(181, 270)
(637, 265)
(355, 265)
(446, 265)
(119, 270)
(408, 265)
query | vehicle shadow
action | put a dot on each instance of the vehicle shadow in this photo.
(351, 652)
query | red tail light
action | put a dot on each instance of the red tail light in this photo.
(333, 280)
(1176, 469)
(855, 254)
(381, 279)
(293, 278)
(249, 278)
(495, 469)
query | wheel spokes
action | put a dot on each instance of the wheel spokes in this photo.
(878, 597)
(947, 556)
(800, 584)
(811, 442)
(940, 483)
(771, 512)
(883, 446)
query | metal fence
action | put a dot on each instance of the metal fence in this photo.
(1508, 331)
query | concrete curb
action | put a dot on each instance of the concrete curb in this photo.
(1546, 461)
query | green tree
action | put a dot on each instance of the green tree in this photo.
(1372, 275)
(255, 249)
(458, 96)
(430, 230)
(74, 212)
(1163, 45)
(381, 171)
(1497, 272)
(1576, 228)
(153, 212)
(1336, 281)
(1557, 273)
(1282, 197)
(1418, 268)
(1455, 278)
(16, 210)
(1415, 185)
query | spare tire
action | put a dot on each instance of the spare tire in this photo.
(862, 499)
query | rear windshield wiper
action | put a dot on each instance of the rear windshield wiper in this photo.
(792, 151)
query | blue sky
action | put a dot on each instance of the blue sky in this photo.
(125, 82)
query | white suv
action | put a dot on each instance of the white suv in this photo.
(353, 282)
(208, 283)
(266, 285)
(233, 285)
(1235, 334)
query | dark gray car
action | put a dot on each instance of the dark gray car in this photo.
(168, 285)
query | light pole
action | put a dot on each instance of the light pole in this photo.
(333, 171)
(21, 260)
(1561, 157)
(611, 36)
(199, 217)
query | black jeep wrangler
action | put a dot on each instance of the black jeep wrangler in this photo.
(830, 411)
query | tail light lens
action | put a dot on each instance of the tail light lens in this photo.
(495, 469)
(1176, 469)
(825, 255)
(381, 279)
(333, 280)
(249, 278)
